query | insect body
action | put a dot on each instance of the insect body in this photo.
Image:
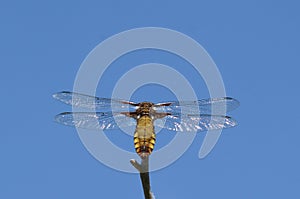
(144, 136)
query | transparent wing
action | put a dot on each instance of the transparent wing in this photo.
(194, 123)
(204, 105)
(97, 120)
(89, 102)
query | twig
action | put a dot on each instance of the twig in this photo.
(143, 168)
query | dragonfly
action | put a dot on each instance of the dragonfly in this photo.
(179, 116)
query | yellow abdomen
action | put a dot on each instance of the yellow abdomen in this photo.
(144, 136)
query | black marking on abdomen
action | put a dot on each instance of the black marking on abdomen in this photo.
(144, 146)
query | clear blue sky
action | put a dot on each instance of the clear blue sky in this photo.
(255, 44)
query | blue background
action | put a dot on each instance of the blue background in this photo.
(255, 44)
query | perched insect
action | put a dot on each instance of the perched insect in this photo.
(180, 116)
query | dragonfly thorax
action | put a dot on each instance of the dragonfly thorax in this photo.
(145, 108)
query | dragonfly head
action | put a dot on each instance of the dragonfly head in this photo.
(146, 104)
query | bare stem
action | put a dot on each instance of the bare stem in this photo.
(143, 168)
